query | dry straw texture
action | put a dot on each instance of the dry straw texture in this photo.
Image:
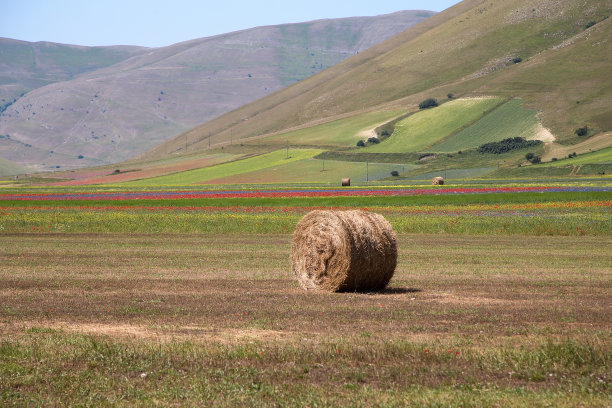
(343, 251)
(437, 181)
(346, 182)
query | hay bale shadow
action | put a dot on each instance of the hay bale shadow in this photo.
(395, 291)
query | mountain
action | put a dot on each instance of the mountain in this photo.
(25, 66)
(121, 110)
(555, 55)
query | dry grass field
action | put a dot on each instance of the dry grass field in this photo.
(121, 319)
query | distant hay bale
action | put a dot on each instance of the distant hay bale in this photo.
(437, 181)
(346, 182)
(343, 251)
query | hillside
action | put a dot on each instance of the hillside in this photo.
(119, 111)
(555, 55)
(25, 66)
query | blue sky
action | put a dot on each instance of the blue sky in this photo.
(156, 23)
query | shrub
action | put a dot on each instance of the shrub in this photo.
(536, 159)
(373, 140)
(361, 143)
(80, 156)
(450, 95)
(554, 159)
(582, 131)
(590, 24)
(385, 133)
(428, 103)
(517, 60)
(395, 173)
(506, 145)
(529, 156)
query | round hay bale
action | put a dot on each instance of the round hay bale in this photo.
(437, 181)
(346, 182)
(343, 251)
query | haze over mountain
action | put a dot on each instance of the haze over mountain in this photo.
(93, 105)
(556, 55)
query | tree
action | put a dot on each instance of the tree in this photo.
(428, 103)
(582, 131)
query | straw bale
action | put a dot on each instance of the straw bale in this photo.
(346, 182)
(343, 251)
(437, 181)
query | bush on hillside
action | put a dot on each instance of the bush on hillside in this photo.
(517, 60)
(373, 140)
(582, 131)
(536, 160)
(360, 143)
(529, 156)
(428, 103)
(395, 173)
(506, 145)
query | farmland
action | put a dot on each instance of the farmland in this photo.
(145, 296)
(508, 120)
(425, 128)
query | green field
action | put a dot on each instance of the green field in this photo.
(603, 156)
(421, 130)
(317, 171)
(202, 175)
(343, 132)
(508, 120)
(8, 168)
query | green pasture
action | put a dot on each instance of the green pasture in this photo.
(508, 120)
(603, 156)
(342, 132)
(8, 168)
(419, 131)
(318, 171)
(205, 174)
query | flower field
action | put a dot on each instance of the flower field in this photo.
(370, 192)
(531, 210)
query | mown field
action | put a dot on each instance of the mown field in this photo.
(427, 127)
(115, 297)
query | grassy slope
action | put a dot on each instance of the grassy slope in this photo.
(342, 132)
(8, 168)
(570, 84)
(508, 120)
(603, 156)
(27, 65)
(466, 48)
(311, 171)
(426, 127)
(205, 174)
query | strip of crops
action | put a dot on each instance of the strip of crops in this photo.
(555, 218)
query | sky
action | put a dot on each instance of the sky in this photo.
(156, 23)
